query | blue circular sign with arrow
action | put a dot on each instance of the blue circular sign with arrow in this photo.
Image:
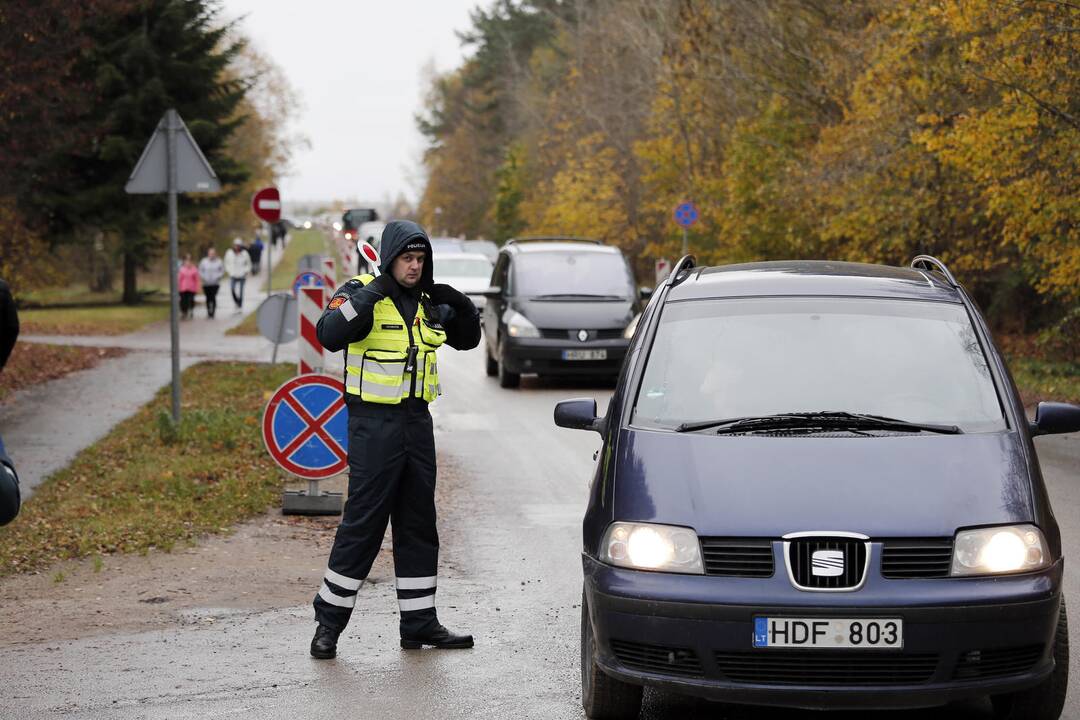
(686, 214)
(308, 277)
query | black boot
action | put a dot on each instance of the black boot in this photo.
(440, 637)
(324, 644)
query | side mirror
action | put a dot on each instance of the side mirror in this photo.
(645, 292)
(1052, 418)
(492, 292)
(579, 414)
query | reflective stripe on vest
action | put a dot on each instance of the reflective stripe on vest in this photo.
(375, 366)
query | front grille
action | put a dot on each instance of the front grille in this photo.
(682, 662)
(738, 557)
(982, 664)
(827, 562)
(572, 335)
(772, 667)
(916, 558)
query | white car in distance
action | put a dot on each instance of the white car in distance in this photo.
(468, 272)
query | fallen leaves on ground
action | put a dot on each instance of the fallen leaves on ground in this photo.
(33, 363)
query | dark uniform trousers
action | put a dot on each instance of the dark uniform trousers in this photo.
(391, 478)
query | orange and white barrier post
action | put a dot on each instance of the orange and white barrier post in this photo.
(310, 307)
(329, 274)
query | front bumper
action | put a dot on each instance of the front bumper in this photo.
(683, 633)
(543, 356)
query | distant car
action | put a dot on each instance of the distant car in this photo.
(485, 247)
(468, 272)
(447, 245)
(558, 306)
(818, 489)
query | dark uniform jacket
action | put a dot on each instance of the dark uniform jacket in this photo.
(452, 309)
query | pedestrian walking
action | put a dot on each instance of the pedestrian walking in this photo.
(391, 327)
(9, 479)
(188, 284)
(211, 270)
(238, 266)
(255, 251)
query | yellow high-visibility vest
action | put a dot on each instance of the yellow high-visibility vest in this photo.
(388, 365)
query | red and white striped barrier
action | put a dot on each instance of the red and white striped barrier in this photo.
(310, 307)
(329, 274)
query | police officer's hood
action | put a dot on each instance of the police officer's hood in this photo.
(402, 236)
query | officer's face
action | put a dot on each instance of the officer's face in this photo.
(407, 268)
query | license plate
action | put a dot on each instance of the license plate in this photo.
(584, 354)
(830, 633)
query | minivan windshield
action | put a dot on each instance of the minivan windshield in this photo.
(571, 273)
(909, 360)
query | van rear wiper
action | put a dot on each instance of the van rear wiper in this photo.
(829, 419)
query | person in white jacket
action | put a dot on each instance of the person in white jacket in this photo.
(210, 273)
(238, 266)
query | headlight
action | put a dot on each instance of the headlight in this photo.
(628, 333)
(644, 546)
(999, 550)
(348, 236)
(519, 326)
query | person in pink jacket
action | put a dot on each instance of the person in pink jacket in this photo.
(188, 281)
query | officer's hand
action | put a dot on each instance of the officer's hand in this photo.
(442, 294)
(385, 285)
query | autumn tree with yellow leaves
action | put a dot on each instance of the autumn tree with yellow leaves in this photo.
(867, 130)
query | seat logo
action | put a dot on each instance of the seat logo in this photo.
(582, 335)
(827, 563)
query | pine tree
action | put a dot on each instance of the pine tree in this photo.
(160, 54)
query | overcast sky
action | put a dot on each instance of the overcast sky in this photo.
(357, 66)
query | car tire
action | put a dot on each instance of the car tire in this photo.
(507, 379)
(602, 696)
(1046, 700)
(491, 365)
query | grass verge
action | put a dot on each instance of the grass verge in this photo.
(32, 363)
(92, 320)
(1040, 379)
(303, 242)
(149, 485)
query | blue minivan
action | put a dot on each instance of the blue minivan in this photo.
(818, 489)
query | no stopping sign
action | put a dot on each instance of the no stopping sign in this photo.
(306, 427)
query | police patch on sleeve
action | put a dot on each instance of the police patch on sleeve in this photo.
(337, 302)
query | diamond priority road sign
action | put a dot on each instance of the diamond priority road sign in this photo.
(305, 427)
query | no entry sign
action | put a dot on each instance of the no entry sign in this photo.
(305, 427)
(267, 204)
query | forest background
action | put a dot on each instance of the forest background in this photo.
(82, 88)
(864, 130)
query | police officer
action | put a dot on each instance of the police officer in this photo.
(391, 327)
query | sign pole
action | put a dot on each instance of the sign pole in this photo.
(685, 243)
(269, 247)
(171, 128)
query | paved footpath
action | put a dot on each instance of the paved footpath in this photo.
(46, 425)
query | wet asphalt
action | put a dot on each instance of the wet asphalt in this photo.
(509, 572)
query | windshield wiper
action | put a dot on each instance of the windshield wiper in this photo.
(576, 296)
(828, 420)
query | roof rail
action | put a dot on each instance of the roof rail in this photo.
(552, 238)
(929, 262)
(685, 263)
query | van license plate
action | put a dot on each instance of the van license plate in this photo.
(584, 354)
(830, 633)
